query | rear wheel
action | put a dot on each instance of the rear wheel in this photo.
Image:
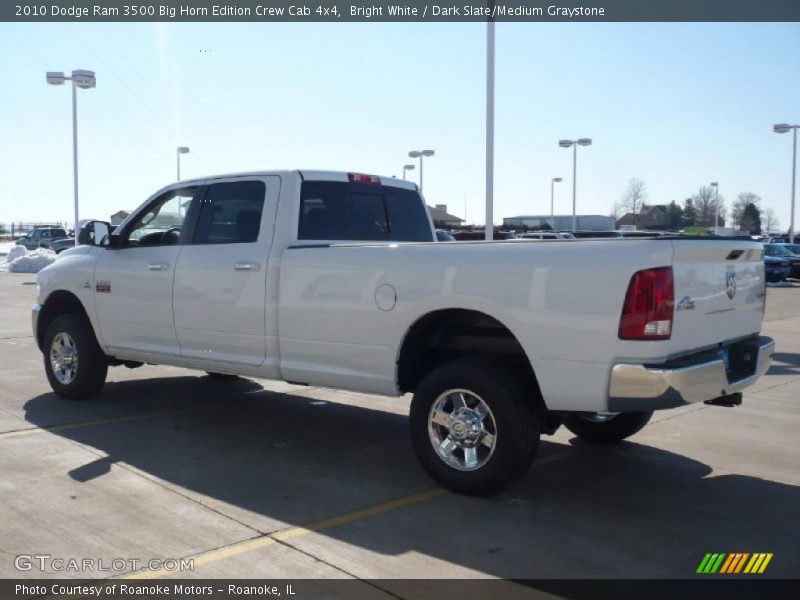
(472, 428)
(607, 428)
(75, 365)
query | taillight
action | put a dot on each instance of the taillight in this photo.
(647, 314)
(361, 178)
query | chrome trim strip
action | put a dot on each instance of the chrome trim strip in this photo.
(35, 310)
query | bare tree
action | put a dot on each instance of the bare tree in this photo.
(616, 211)
(740, 204)
(635, 195)
(770, 221)
(706, 203)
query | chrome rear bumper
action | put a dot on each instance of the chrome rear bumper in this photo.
(703, 376)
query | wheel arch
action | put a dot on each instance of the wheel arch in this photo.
(450, 333)
(59, 302)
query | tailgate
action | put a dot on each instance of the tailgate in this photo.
(719, 292)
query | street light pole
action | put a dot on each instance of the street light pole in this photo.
(574, 144)
(489, 227)
(407, 168)
(574, 185)
(553, 181)
(75, 156)
(794, 173)
(785, 128)
(420, 154)
(83, 79)
(180, 150)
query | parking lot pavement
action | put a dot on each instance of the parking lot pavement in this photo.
(262, 479)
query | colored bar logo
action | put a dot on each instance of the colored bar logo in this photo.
(734, 563)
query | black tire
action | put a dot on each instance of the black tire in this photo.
(222, 376)
(614, 430)
(92, 364)
(516, 421)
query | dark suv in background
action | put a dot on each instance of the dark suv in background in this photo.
(41, 237)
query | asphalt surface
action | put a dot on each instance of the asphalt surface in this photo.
(258, 479)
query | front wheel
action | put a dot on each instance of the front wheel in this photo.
(75, 365)
(472, 428)
(607, 428)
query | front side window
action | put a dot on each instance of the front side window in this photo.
(162, 223)
(332, 210)
(230, 213)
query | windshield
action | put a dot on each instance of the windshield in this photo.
(775, 250)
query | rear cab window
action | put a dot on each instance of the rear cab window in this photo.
(350, 211)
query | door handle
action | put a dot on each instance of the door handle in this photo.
(246, 266)
(157, 267)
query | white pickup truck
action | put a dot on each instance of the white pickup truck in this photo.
(336, 280)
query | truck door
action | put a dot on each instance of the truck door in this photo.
(133, 282)
(220, 279)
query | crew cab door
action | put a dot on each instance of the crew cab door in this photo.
(133, 283)
(220, 279)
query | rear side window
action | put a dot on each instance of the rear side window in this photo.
(230, 213)
(332, 210)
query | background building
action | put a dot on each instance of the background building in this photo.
(562, 222)
(443, 219)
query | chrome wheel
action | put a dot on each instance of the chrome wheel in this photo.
(64, 358)
(598, 417)
(462, 429)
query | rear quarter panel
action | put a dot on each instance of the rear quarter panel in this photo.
(562, 300)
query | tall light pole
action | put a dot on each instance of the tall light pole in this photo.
(574, 144)
(181, 150)
(407, 168)
(785, 128)
(715, 185)
(489, 227)
(83, 79)
(420, 154)
(552, 181)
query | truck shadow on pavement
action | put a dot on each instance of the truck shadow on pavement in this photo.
(273, 460)
(785, 363)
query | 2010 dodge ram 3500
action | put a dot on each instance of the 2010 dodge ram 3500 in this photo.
(336, 280)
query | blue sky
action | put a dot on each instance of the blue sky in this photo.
(677, 105)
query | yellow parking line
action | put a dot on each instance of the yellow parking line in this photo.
(92, 423)
(294, 532)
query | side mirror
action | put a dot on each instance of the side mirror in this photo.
(85, 236)
(95, 233)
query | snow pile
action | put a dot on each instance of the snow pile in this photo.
(5, 247)
(20, 260)
(15, 252)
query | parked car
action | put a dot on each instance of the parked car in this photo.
(778, 239)
(546, 235)
(444, 236)
(59, 246)
(776, 269)
(793, 248)
(307, 277)
(781, 251)
(618, 233)
(478, 235)
(41, 237)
